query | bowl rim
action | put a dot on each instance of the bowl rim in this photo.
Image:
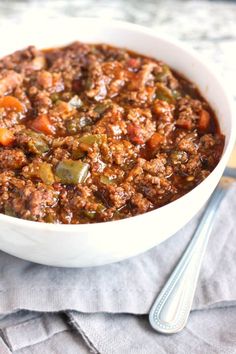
(211, 68)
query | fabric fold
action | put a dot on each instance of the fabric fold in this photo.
(207, 332)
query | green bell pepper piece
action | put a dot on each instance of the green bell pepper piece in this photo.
(72, 172)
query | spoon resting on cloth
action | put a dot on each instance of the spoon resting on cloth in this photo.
(170, 311)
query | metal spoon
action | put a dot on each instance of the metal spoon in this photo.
(170, 311)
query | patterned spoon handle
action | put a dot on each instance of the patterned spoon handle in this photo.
(171, 309)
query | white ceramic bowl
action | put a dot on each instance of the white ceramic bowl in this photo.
(97, 244)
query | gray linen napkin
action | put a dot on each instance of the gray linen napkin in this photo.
(106, 306)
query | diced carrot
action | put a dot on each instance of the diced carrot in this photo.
(42, 124)
(161, 107)
(11, 103)
(156, 140)
(6, 137)
(204, 120)
(185, 123)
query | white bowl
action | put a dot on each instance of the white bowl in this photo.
(97, 244)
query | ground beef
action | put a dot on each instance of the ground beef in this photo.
(33, 202)
(188, 112)
(9, 81)
(92, 133)
(12, 159)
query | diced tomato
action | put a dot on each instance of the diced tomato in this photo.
(11, 103)
(133, 63)
(6, 137)
(135, 133)
(76, 85)
(155, 141)
(42, 124)
(204, 120)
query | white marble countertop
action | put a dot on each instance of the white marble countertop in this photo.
(208, 26)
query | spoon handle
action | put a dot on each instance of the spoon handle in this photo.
(171, 309)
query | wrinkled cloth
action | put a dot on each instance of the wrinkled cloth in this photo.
(104, 309)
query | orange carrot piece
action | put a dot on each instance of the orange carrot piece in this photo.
(42, 124)
(6, 137)
(11, 103)
(204, 120)
(156, 140)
